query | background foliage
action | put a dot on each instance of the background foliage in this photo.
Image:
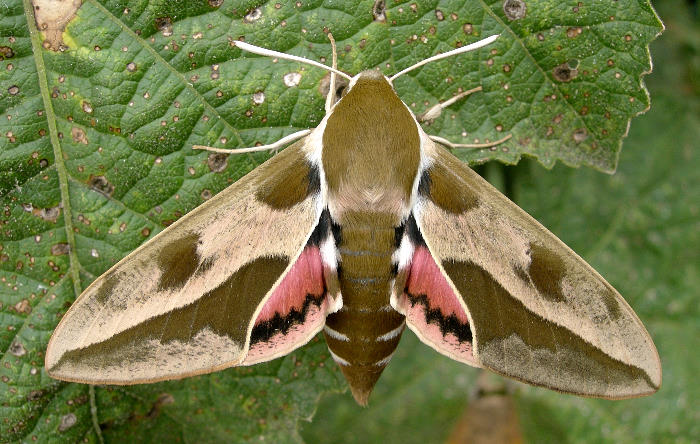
(97, 124)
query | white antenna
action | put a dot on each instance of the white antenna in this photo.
(470, 47)
(270, 53)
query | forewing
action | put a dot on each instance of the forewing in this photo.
(185, 302)
(538, 312)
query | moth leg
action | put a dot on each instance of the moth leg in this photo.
(270, 147)
(434, 112)
(447, 143)
(331, 87)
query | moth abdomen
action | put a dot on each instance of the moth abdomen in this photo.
(364, 333)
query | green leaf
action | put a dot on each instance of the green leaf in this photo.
(102, 101)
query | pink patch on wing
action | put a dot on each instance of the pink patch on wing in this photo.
(301, 293)
(428, 299)
(426, 278)
(305, 277)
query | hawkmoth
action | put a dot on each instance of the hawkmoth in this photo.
(363, 226)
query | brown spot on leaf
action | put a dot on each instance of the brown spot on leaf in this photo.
(6, 52)
(35, 395)
(17, 349)
(101, 185)
(341, 87)
(48, 214)
(23, 307)
(67, 421)
(253, 16)
(514, 9)
(379, 11)
(79, 135)
(60, 249)
(52, 16)
(164, 25)
(217, 162)
(564, 72)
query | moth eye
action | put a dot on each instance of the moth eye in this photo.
(341, 90)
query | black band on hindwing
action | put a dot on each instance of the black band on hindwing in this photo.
(282, 324)
(447, 324)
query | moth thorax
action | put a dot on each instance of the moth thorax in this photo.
(371, 148)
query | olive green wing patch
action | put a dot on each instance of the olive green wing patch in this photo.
(184, 303)
(539, 313)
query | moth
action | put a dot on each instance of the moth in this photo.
(362, 227)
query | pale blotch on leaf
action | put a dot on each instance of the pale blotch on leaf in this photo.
(379, 11)
(87, 107)
(52, 17)
(217, 162)
(564, 73)
(67, 421)
(48, 214)
(259, 98)
(514, 9)
(94, 253)
(13, 90)
(580, 135)
(131, 67)
(17, 349)
(23, 307)
(341, 85)
(574, 32)
(253, 16)
(206, 194)
(101, 185)
(292, 79)
(60, 249)
(164, 25)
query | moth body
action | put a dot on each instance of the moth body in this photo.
(370, 160)
(363, 227)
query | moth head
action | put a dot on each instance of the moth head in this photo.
(369, 78)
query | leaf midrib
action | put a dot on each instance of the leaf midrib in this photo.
(37, 52)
